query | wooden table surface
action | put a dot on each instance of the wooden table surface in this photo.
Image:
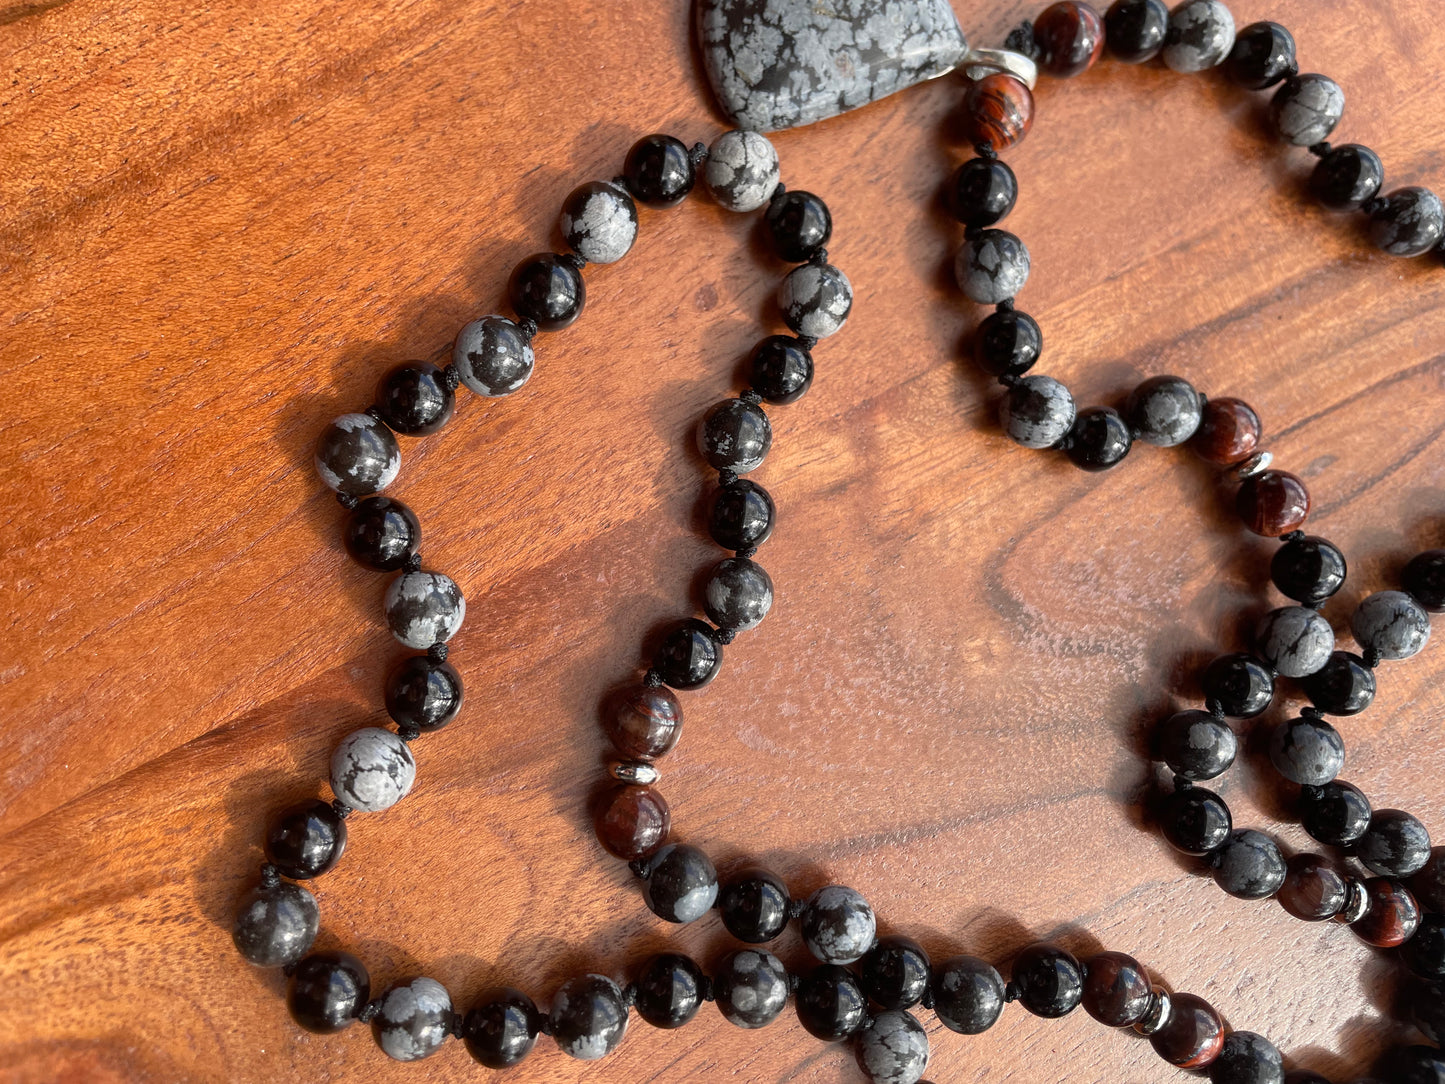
(221, 222)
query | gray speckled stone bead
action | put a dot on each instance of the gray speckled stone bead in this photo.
(275, 926)
(492, 356)
(424, 608)
(893, 1049)
(815, 299)
(1165, 410)
(741, 170)
(1295, 640)
(413, 1020)
(838, 925)
(1250, 866)
(1411, 222)
(372, 769)
(1307, 108)
(992, 267)
(738, 594)
(357, 455)
(589, 1017)
(751, 987)
(1037, 412)
(1392, 624)
(1200, 35)
(1307, 751)
(599, 221)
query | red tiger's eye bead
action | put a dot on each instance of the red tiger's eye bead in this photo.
(643, 723)
(1070, 37)
(998, 110)
(1273, 503)
(632, 822)
(1393, 917)
(1193, 1036)
(1228, 432)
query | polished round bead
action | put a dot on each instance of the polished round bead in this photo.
(1116, 989)
(659, 171)
(742, 515)
(754, 906)
(548, 290)
(643, 722)
(997, 110)
(1037, 412)
(1229, 432)
(1197, 746)
(1099, 439)
(1249, 866)
(1346, 177)
(1337, 814)
(798, 224)
(1308, 569)
(423, 693)
(632, 822)
(306, 840)
(1165, 410)
(741, 170)
(1195, 821)
(1201, 35)
(502, 1029)
(1424, 580)
(1263, 54)
(735, 435)
(413, 1020)
(372, 769)
(1240, 684)
(689, 657)
(1307, 751)
(968, 995)
(1392, 624)
(893, 1049)
(992, 266)
(669, 990)
(750, 987)
(1135, 29)
(1193, 1035)
(738, 594)
(681, 883)
(1272, 503)
(895, 972)
(599, 221)
(1415, 1065)
(381, 533)
(982, 192)
(1295, 640)
(815, 300)
(838, 925)
(1395, 844)
(1306, 109)
(1392, 917)
(1007, 343)
(1049, 980)
(275, 925)
(1247, 1058)
(781, 368)
(1070, 38)
(357, 455)
(831, 1005)
(1423, 1003)
(589, 1017)
(424, 608)
(1424, 954)
(327, 990)
(1312, 890)
(414, 399)
(492, 356)
(1411, 222)
(1429, 884)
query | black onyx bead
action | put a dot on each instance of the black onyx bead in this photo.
(423, 693)
(754, 906)
(502, 1029)
(1424, 954)
(681, 884)
(895, 972)
(689, 657)
(1336, 814)
(982, 191)
(1346, 177)
(1195, 821)
(414, 399)
(1308, 569)
(831, 1005)
(306, 840)
(1249, 866)
(547, 289)
(669, 990)
(1343, 686)
(1429, 884)
(742, 515)
(1196, 745)
(735, 435)
(1007, 343)
(1134, 30)
(1263, 54)
(968, 995)
(798, 225)
(1424, 579)
(1240, 684)
(381, 533)
(1048, 979)
(659, 171)
(1395, 844)
(781, 369)
(1099, 439)
(1247, 1058)
(327, 990)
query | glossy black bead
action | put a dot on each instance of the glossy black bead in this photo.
(681, 884)
(754, 906)
(327, 990)
(1336, 814)
(1395, 844)
(1308, 569)
(547, 289)
(1048, 979)
(982, 191)
(306, 840)
(1247, 1058)
(1196, 745)
(414, 399)
(1134, 30)
(502, 1029)
(588, 1017)
(831, 1005)
(1423, 1003)
(1409, 222)
(1415, 1065)
(669, 990)
(781, 369)
(1099, 439)
(1343, 686)
(968, 995)
(1240, 684)
(1424, 954)
(798, 224)
(1424, 579)
(1007, 343)
(1263, 54)
(895, 972)
(735, 435)
(1249, 866)
(1195, 821)
(423, 693)
(1346, 177)
(742, 515)
(659, 171)
(689, 657)
(381, 533)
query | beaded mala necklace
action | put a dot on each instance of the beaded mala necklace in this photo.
(865, 986)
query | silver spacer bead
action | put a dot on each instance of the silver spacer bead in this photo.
(634, 771)
(1258, 463)
(1160, 1010)
(984, 62)
(1357, 902)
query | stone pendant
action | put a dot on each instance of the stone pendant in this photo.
(782, 63)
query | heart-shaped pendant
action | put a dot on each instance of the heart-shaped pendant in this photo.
(781, 63)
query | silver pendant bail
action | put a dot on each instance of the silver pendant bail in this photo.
(980, 63)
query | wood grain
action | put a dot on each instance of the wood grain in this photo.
(218, 224)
